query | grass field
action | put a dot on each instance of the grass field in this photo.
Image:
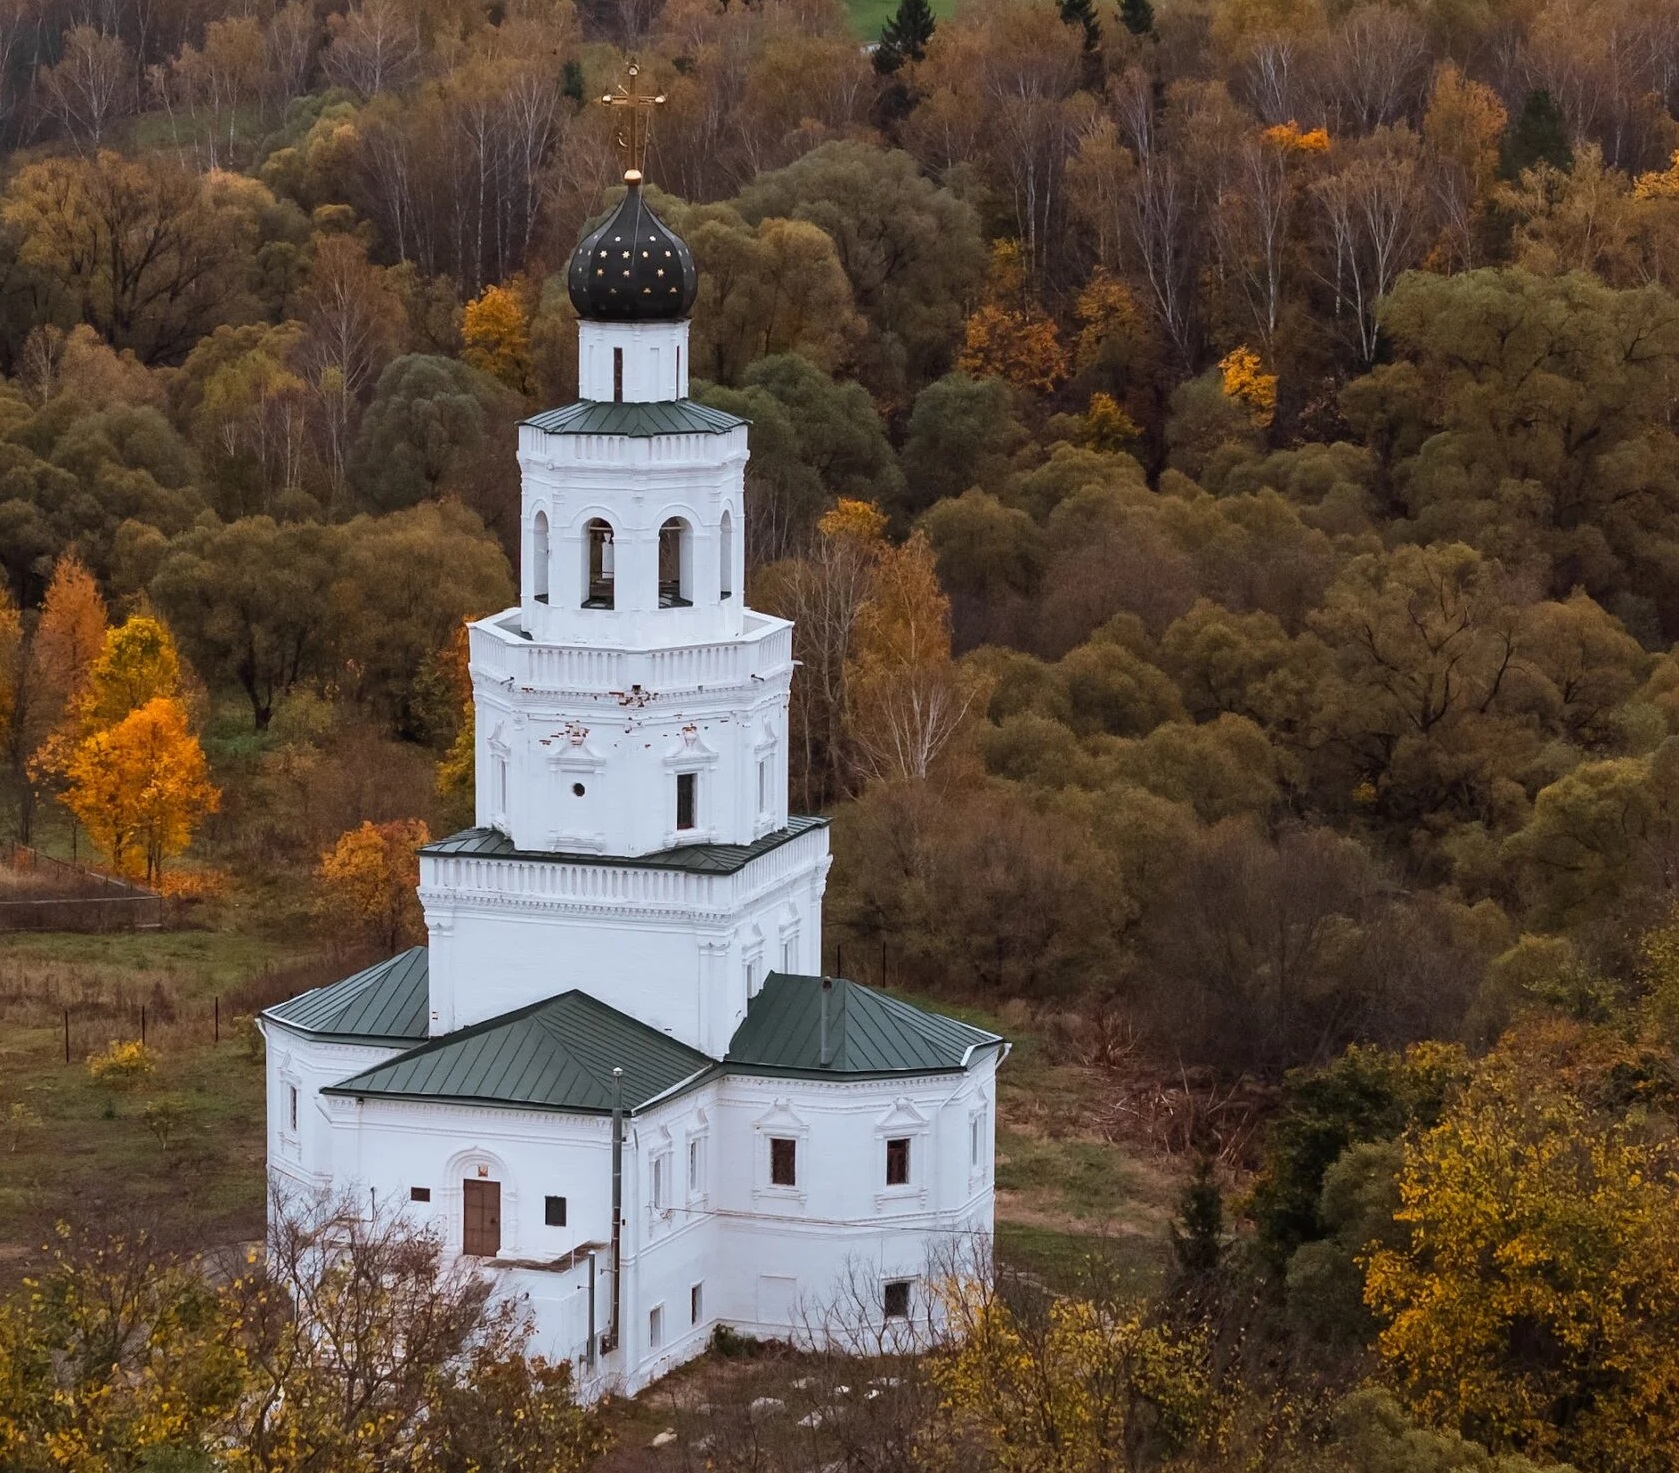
(868, 16)
(1068, 1198)
(79, 1151)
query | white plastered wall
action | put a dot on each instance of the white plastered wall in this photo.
(769, 1262)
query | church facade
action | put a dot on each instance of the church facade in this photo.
(616, 1076)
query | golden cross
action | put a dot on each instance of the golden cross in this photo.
(633, 136)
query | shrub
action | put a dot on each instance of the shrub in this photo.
(122, 1065)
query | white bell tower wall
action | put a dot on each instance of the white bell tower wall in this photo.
(633, 540)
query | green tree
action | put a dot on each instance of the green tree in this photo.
(814, 440)
(1527, 418)
(1538, 134)
(911, 249)
(1366, 1095)
(962, 432)
(1197, 1232)
(255, 603)
(151, 254)
(986, 550)
(1601, 836)
(435, 424)
(905, 36)
(408, 580)
(1137, 16)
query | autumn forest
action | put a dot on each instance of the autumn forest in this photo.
(1222, 459)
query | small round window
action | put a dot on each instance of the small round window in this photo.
(577, 790)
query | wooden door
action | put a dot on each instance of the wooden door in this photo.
(481, 1225)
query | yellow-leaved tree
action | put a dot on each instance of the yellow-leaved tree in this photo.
(1064, 1384)
(368, 880)
(1243, 378)
(496, 337)
(907, 698)
(137, 663)
(1535, 1305)
(141, 787)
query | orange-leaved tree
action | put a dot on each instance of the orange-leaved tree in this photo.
(67, 640)
(11, 667)
(368, 881)
(142, 787)
(1011, 336)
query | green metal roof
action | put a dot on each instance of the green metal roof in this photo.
(663, 417)
(869, 1033)
(386, 1002)
(699, 859)
(553, 1055)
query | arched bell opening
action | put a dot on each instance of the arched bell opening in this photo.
(539, 558)
(600, 565)
(676, 565)
(726, 557)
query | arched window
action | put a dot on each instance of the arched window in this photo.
(726, 557)
(598, 592)
(676, 571)
(539, 557)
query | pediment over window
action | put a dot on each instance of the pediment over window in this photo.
(902, 1119)
(781, 1118)
(690, 750)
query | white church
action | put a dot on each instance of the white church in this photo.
(615, 1076)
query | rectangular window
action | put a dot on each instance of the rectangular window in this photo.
(897, 1300)
(696, 1168)
(618, 375)
(291, 1105)
(976, 1140)
(659, 1183)
(687, 785)
(764, 785)
(419, 1194)
(696, 1305)
(789, 955)
(655, 1327)
(501, 787)
(784, 1170)
(553, 1211)
(897, 1162)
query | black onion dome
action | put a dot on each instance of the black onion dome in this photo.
(634, 268)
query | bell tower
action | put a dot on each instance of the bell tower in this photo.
(631, 712)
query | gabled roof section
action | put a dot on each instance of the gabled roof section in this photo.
(553, 1055)
(641, 420)
(385, 1003)
(869, 1033)
(699, 859)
